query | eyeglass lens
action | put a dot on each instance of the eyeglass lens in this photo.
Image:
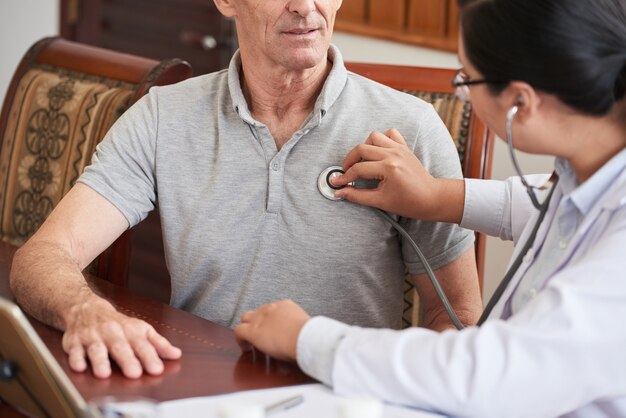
(462, 91)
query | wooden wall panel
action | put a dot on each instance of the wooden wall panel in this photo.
(353, 11)
(453, 19)
(428, 17)
(388, 14)
(430, 23)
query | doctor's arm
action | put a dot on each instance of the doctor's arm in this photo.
(405, 187)
(46, 277)
(493, 207)
(562, 351)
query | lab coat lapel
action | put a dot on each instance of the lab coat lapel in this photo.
(613, 199)
(599, 213)
(499, 309)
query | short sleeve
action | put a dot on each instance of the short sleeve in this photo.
(122, 169)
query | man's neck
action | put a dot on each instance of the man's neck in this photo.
(281, 98)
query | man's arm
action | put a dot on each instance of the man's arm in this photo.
(47, 279)
(459, 280)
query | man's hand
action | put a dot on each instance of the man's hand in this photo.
(273, 329)
(96, 331)
(79, 228)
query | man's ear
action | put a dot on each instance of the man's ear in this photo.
(226, 7)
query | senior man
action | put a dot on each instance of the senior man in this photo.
(232, 160)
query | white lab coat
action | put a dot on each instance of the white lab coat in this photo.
(562, 354)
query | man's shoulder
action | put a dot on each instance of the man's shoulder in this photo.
(380, 93)
(198, 86)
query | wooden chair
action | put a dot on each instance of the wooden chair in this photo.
(473, 140)
(63, 98)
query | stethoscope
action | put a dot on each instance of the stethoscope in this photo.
(325, 185)
(327, 189)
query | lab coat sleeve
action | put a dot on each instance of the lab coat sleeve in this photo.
(317, 344)
(561, 352)
(499, 208)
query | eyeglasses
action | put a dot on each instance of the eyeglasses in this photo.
(462, 81)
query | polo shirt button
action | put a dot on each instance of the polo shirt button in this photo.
(532, 293)
(275, 166)
(563, 244)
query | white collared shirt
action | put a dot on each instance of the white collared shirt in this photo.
(554, 343)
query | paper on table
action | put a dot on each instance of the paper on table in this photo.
(319, 401)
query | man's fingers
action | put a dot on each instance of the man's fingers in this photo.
(147, 355)
(76, 358)
(163, 347)
(99, 358)
(123, 354)
(120, 349)
(73, 347)
(134, 345)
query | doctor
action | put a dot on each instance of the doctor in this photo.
(550, 77)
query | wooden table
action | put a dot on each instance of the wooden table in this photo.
(212, 362)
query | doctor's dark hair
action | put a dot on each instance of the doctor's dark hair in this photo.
(573, 49)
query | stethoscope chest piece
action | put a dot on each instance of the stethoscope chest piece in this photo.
(324, 182)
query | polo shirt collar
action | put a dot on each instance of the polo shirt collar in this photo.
(240, 106)
(333, 86)
(335, 82)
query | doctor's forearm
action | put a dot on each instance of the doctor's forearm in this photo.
(450, 201)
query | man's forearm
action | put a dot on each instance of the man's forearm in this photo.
(48, 282)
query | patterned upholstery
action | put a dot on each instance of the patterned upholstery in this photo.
(62, 100)
(56, 119)
(454, 113)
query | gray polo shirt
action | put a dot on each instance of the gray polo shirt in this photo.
(244, 224)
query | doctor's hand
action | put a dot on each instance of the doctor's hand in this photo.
(405, 187)
(273, 328)
(96, 332)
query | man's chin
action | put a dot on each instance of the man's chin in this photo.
(304, 58)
